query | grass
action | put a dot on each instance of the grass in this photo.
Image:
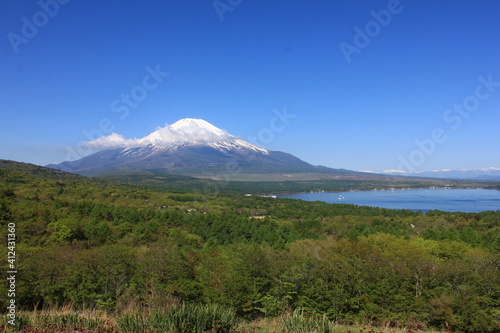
(299, 321)
(60, 320)
(182, 319)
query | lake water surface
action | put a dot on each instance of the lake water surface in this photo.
(448, 200)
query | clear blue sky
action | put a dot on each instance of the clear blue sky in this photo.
(234, 64)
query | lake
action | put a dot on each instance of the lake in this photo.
(448, 200)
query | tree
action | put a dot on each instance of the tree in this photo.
(100, 276)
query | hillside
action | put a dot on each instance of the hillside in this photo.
(306, 183)
(106, 245)
(36, 171)
(194, 147)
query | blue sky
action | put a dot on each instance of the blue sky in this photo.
(372, 85)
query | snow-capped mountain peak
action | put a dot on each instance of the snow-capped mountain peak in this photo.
(185, 131)
(197, 127)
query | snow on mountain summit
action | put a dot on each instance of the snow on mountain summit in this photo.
(184, 131)
(190, 126)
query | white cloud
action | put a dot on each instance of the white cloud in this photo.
(113, 140)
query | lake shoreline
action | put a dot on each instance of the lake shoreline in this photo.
(470, 200)
(386, 189)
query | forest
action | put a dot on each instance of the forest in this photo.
(123, 250)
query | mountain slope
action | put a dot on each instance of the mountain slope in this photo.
(190, 147)
(198, 160)
(17, 168)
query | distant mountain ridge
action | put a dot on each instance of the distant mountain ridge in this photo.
(485, 174)
(188, 147)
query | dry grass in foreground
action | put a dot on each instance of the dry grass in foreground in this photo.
(185, 319)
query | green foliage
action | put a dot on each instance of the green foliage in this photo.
(180, 319)
(133, 322)
(113, 247)
(100, 276)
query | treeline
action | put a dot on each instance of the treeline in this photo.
(264, 221)
(112, 247)
(207, 186)
(377, 279)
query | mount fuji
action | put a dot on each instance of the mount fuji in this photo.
(191, 147)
